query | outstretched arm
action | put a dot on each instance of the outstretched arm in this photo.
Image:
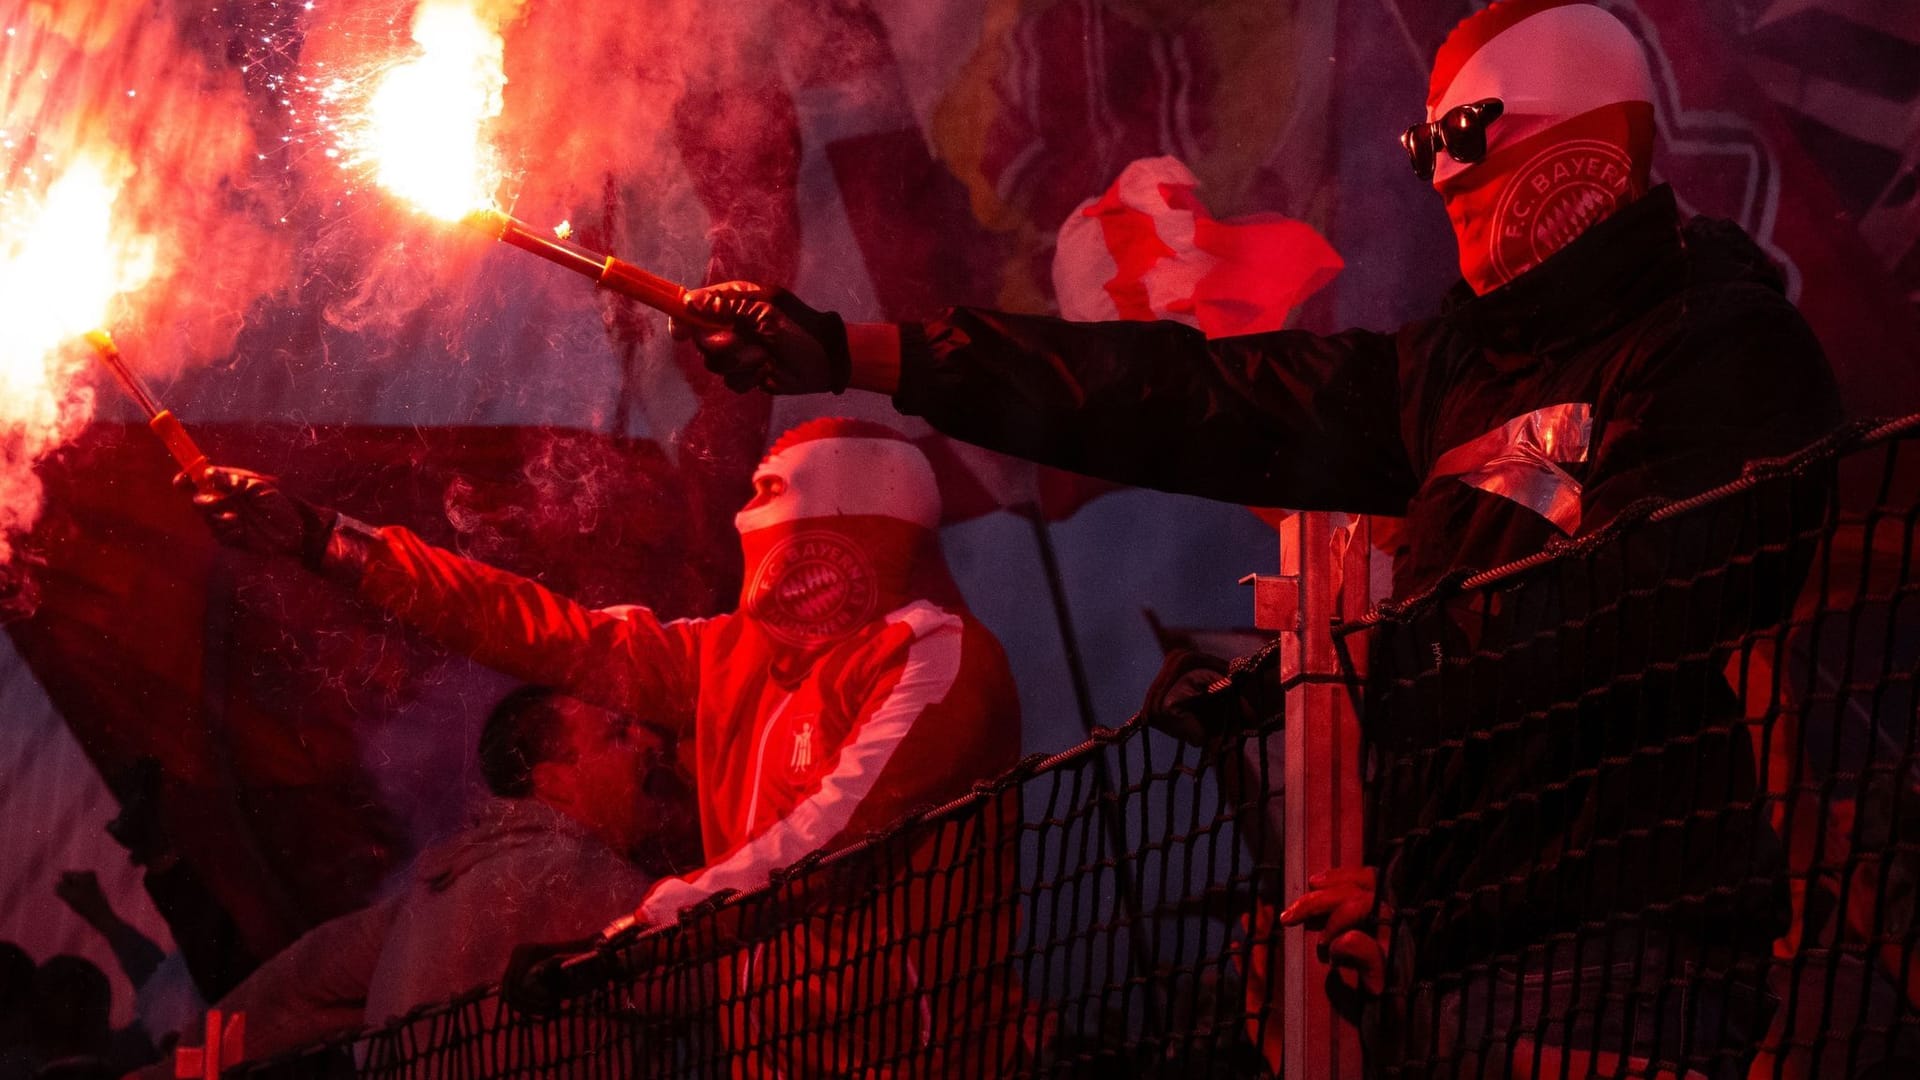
(623, 659)
(1279, 419)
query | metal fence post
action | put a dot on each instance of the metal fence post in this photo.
(1326, 561)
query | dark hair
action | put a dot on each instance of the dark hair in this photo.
(524, 729)
(16, 979)
(72, 1006)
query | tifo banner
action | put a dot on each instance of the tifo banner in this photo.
(1733, 150)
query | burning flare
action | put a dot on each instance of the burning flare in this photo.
(63, 263)
(61, 266)
(423, 123)
(422, 134)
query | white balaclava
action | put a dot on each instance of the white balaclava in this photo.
(1573, 142)
(841, 530)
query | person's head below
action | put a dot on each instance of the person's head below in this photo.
(604, 770)
(16, 991)
(842, 528)
(1539, 124)
(70, 1010)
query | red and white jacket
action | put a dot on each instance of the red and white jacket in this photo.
(909, 711)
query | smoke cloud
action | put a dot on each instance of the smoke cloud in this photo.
(584, 134)
(127, 159)
(283, 283)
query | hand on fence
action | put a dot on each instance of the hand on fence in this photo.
(538, 979)
(1180, 704)
(1343, 904)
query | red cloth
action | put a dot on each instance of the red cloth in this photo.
(1148, 249)
(1476, 31)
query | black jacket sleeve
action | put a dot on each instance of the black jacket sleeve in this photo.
(1286, 418)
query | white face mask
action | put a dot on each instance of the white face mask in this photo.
(832, 535)
(843, 477)
(1571, 146)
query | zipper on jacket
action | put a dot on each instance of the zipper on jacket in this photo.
(760, 761)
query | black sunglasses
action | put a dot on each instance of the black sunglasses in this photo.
(1461, 131)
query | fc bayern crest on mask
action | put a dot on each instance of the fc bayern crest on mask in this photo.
(814, 587)
(1553, 198)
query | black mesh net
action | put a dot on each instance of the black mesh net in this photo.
(1086, 915)
(1642, 806)
(1647, 804)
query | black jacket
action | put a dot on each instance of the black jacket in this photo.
(1680, 342)
(1643, 360)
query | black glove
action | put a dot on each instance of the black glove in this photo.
(1193, 700)
(249, 511)
(767, 338)
(541, 976)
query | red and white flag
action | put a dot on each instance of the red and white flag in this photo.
(1148, 249)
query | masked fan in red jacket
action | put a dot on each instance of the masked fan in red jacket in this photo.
(850, 687)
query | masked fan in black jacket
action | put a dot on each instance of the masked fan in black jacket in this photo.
(1600, 352)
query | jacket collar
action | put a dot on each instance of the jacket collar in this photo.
(1608, 275)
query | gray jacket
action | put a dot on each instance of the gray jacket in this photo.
(522, 872)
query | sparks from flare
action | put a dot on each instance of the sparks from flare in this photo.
(421, 133)
(420, 130)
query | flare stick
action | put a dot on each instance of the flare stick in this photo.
(610, 273)
(172, 433)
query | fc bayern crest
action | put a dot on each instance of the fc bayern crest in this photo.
(1553, 198)
(814, 587)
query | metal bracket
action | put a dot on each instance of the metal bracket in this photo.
(1276, 602)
